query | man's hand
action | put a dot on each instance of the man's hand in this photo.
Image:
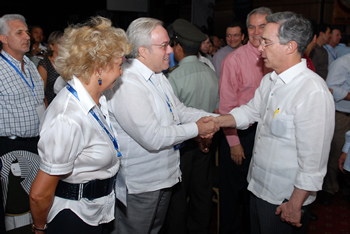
(291, 211)
(207, 126)
(341, 161)
(237, 154)
(203, 143)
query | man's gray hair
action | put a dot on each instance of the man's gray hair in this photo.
(139, 34)
(259, 11)
(293, 27)
(4, 25)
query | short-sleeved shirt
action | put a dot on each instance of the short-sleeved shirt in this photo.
(18, 115)
(73, 143)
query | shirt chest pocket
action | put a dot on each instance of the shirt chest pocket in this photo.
(283, 126)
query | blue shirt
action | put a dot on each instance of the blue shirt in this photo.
(346, 149)
(332, 54)
(342, 49)
(338, 79)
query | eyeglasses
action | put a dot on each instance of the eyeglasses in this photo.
(164, 45)
(233, 35)
(262, 43)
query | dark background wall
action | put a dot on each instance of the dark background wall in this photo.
(56, 15)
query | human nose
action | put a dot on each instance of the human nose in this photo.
(261, 48)
(169, 49)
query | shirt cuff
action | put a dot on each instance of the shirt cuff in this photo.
(56, 169)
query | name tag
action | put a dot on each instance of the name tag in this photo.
(15, 169)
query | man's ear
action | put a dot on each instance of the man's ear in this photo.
(143, 52)
(3, 39)
(291, 47)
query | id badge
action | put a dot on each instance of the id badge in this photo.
(180, 145)
(15, 169)
(40, 111)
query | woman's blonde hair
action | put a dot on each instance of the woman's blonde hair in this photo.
(84, 48)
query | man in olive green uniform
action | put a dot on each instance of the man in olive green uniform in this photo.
(196, 85)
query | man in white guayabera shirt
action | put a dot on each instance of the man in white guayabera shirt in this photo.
(151, 124)
(293, 108)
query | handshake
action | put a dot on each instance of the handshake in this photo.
(207, 126)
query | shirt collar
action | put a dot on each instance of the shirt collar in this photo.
(289, 74)
(191, 58)
(86, 101)
(13, 60)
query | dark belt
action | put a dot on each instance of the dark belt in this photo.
(17, 138)
(344, 113)
(90, 190)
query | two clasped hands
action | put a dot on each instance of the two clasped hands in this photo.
(208, 126)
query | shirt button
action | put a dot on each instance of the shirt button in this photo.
(271, 94)
(267, 108)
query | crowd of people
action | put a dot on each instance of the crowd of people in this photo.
(106, 131)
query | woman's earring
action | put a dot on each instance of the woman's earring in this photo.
(99, 80)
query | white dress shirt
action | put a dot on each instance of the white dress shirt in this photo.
(147, 130)
(73, 143)
(292, 144)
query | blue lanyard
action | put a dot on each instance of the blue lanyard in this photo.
(31, 87)
(335, 57)
(111, 137)
(167, 100)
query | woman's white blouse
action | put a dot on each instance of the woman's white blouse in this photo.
(73, 144)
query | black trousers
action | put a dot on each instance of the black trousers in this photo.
(68, 222)
(233, 184)
(192, 216)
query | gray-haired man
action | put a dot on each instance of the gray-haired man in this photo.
(151, 124)
(292, 107)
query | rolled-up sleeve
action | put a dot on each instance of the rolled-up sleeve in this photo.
(314, 126)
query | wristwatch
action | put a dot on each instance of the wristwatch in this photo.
(39, 229)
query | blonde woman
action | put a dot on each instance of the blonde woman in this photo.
(73, 191)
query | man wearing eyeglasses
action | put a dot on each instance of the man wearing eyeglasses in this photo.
(151, 124)
(242, 71)
(234, 38)
(293, 108)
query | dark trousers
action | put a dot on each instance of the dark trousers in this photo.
(192, 216)
(233, 184)
(264, 221)
(66, 221)
(6, 146)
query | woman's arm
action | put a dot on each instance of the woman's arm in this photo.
(41, 197)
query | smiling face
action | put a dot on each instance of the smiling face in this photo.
(18, 41)
(110, 75)
(256, 27)
(157, 59)
(234, 37)
(273, 53)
